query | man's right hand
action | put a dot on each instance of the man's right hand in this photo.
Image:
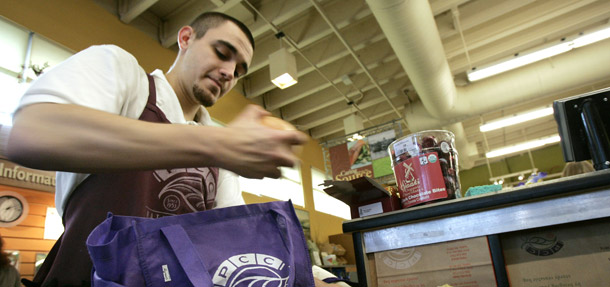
(256, 150)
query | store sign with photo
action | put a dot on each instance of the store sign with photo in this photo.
(367, 156)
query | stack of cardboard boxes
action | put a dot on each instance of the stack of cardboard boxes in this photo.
(457, 263)
(570, 255)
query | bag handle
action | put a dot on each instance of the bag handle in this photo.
(282, 222)
(182, 246)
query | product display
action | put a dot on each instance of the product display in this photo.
(425, 167)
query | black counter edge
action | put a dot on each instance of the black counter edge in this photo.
(556, 187)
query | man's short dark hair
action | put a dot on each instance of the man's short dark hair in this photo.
(209, 20)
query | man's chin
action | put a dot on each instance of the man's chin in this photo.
(205, 99)
(208, 104)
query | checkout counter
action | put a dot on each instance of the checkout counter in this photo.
(578, 198)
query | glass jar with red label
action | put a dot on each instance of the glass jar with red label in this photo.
(425, 167)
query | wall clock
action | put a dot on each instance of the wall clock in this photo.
(13, 208)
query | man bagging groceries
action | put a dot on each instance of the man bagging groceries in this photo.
(138, 144)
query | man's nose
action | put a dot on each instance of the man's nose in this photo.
(227, 71)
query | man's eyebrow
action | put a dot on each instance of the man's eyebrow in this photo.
(234, 50)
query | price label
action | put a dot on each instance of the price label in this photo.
(370, 209)
(407, 145)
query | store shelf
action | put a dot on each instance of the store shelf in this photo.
(500, 220)
(559, 201)
(557, 187)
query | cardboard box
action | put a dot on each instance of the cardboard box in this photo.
(457, 263)
(576, 254)
(364, 196)
(475, 276)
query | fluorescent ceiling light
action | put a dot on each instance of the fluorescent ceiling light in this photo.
(527, 58)
(283, 68)
(592, 38)
(523, 146)
(516, 119)
(519, 61)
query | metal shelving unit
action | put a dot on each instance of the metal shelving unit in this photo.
(559, 201)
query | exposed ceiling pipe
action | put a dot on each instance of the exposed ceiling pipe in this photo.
(574, 69)
(26, 61)
(411, 30)
(458, 26)
(466, 150)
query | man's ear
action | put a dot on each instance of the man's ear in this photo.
(185, 37)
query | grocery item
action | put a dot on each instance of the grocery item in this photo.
(425, 167)
(279, 124)
(481, 189)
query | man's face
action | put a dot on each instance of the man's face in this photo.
(215, 62)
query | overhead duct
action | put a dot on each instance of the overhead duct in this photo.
(573, 69)
(466, 150)
(411, 30)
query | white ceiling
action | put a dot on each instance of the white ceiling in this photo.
(335, 39)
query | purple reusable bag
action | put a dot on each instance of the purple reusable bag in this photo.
(250, 245)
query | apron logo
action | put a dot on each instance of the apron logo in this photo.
(183, 190)
(171, 202)
(252, 270)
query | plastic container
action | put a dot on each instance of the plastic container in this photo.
(425, 167)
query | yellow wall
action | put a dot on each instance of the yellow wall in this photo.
(77, 24)
(548, 159)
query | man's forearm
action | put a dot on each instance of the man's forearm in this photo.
(72, 138)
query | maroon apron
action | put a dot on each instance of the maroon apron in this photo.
(135, 193)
